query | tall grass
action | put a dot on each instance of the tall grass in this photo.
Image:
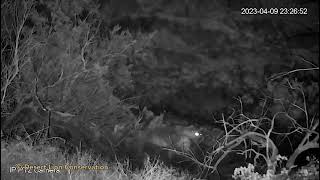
(20, 154)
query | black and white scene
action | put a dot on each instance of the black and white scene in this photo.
(159, 90)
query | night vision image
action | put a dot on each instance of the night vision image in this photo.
(159, 90)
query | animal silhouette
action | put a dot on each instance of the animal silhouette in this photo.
(165, 141)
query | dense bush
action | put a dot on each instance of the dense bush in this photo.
(64, 67)
(67, 65)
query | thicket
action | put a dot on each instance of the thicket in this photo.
(56, 60)
(59, 58)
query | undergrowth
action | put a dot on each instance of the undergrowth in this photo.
(42, 162)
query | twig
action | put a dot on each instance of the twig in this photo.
(279, 75)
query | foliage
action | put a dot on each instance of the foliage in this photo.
(247, 173)
(17, 44)
(65, 67)
(18, 154)
(310, 172)
(53, 53)
(255, 137)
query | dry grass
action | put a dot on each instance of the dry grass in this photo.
(20, 153)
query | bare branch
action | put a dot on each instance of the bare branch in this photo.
(279, 75)
(304, 145)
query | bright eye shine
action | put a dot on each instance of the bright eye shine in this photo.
(197, 134)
